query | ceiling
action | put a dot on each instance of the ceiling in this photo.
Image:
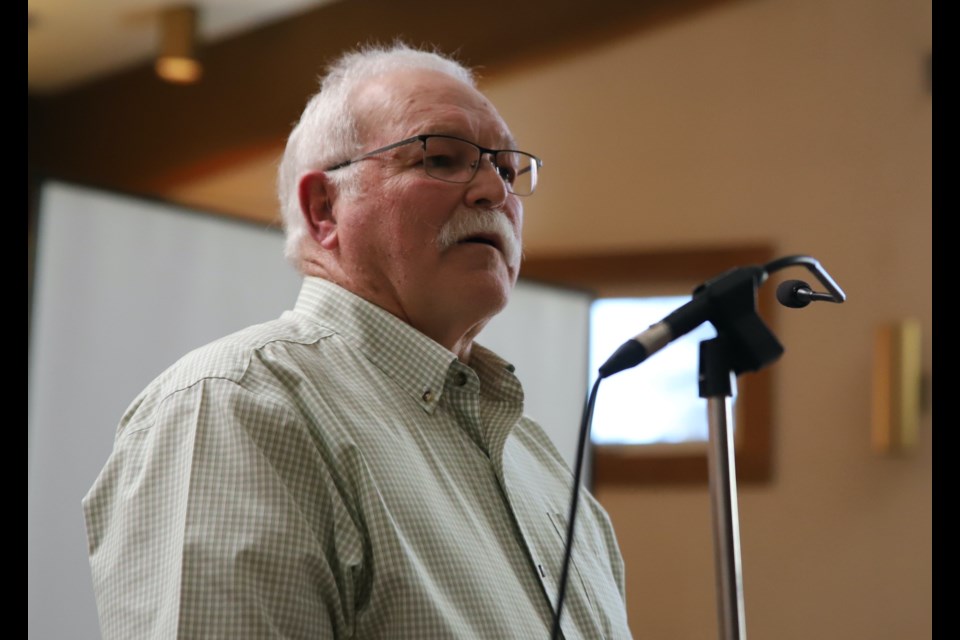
(99, 115)
(71, 42)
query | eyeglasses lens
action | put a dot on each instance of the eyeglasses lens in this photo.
(455, 160)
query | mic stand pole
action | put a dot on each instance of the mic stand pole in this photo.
(716, 385)
(743, 343)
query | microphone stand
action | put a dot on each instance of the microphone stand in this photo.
(743, 343)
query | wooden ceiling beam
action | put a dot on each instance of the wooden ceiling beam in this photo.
(132, 132)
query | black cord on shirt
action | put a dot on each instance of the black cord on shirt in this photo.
(574, 499)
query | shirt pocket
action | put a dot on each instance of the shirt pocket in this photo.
(586, 572)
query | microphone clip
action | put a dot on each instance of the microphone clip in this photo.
(731, 300)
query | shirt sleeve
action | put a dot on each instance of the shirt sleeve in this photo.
(218, 516)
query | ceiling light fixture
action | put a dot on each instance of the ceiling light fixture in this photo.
(177, 61)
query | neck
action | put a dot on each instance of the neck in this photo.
(455, 336)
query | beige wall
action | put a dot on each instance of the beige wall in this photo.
(806, 124)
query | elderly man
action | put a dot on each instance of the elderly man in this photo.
(359, 468)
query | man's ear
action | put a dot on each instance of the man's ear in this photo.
(316, 206)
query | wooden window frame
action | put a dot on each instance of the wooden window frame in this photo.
(650, 273)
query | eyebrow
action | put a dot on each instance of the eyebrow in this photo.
(512, 146)
(437, 129)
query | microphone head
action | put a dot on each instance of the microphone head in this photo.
(790, 293)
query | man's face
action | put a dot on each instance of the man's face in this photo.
(388, 227)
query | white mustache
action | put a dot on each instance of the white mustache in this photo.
(466, 222)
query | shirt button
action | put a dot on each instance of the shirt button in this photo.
(461, 378)
(427, 396)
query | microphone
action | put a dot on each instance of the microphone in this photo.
(797, 294)
(729, 302)
(637, 349)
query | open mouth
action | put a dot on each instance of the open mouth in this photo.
(487, 239)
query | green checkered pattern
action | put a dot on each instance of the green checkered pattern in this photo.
(337, 474)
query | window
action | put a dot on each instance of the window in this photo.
(658, 401)
(667, 278)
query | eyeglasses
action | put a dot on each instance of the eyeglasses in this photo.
(453, 159)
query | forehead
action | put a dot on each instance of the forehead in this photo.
(412, 101)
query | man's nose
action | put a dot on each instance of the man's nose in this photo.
(487, 189)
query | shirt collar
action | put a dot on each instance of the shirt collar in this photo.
(497, 378)
(417, 363)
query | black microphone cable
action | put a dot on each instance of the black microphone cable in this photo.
(585, 422)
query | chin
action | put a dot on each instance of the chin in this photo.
(487, 299)
(501, 284)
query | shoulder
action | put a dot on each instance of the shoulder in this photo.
(248, 361)
(232, 356)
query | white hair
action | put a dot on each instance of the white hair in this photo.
(328, 129)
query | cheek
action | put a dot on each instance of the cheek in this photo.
(416, 218)
(406, 240)
(408, 213)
